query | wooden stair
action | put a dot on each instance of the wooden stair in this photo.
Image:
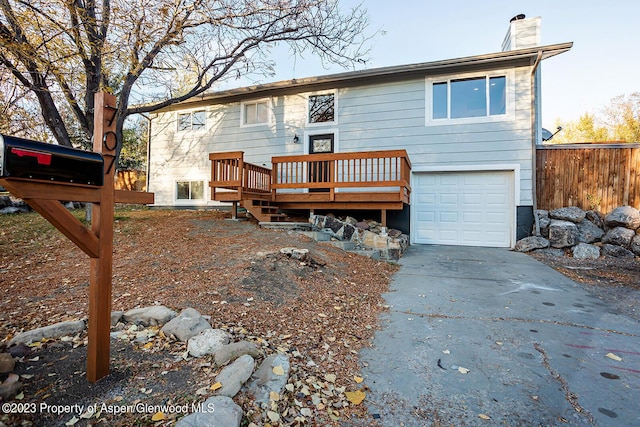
(263, 210)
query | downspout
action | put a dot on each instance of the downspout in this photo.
(534, 140)
(149, 118)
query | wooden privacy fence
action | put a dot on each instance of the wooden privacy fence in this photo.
(590, 176)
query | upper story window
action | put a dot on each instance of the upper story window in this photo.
(470, 99)
(322, 108)
(191, 121)
(255, 112)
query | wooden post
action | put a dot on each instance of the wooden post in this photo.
(104, 141)
(44, 197)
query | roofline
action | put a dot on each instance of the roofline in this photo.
(376, 74)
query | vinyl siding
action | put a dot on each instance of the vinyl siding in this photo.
(373, 117)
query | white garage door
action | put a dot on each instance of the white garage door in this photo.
(463, 208)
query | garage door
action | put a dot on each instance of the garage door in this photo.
(463, 208)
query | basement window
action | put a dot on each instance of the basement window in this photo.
(190, 190)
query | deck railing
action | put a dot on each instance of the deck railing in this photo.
(230, 172)
(372, 169)
(380, 170)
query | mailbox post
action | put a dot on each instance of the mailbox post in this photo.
(26, 172)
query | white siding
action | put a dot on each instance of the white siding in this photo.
(374, 117)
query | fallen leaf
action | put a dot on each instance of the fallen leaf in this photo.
(463, 370)
(358, 379)
(19, 396)
(216, 386)
(355, 397)
(273, 416)
(278, 370)
(158, 416)
(148, 345)
(72, 421)
(330, 377)
(446, 351)
(484, 417)
(274, 396)
(614, 357)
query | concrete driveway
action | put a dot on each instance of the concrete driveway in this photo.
(483, 336)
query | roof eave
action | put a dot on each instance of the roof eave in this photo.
(377, 74)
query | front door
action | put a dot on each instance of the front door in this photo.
(319, 171)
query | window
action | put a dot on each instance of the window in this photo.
(469, 99)
(191, 121)
(255, 112)
(322, 108)
(190, 190)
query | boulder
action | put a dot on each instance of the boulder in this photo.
(9, 390)
(562, 234)
(635, 244)
(623, 216)
(187, 324)
(586, 251)
(595, 217)
(362, 225)
(216, 411)
(233, 376)
(616, 251)
(6, 363)
(619, 236)
(271, 376)
(207, 342)
(543, 222)
(588, 232)
(149, 316)
(350, 220)
(572, 213)
(115, 317)
(529, 244)
(5, 202)
(234, 350)
(52, 331)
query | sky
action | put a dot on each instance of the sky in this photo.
(603, 63)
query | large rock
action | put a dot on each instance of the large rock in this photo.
(588, 232)
(9, 390)
(562, 233)
(596, 218)
(619, 236)
(623, 216)
(52, 331)
(529, 244)
(6, 363)
(572, 213)
(272, 376)
(187, 324)
(233, 376)
(616, 251)
(216, 411)
(543, 222)
(206, 342)
(234, 350)
(635, 244)
(149, 316)
(586, 251)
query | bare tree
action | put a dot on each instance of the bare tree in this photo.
(158, 51)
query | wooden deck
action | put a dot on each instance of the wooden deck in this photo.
(372, 180)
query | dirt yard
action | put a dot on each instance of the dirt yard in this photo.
(321, 313)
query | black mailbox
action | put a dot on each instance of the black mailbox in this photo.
(23, 158)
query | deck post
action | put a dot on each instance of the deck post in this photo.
(383, 217)
(234, 211)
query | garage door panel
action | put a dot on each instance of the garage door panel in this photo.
(464, 208)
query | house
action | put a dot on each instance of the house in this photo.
(468, 128)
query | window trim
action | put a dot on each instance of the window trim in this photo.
(243, 118)
(191, 113)
(510, 98)
(190, 200)
(333, 92)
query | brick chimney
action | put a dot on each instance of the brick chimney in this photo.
(523, 33)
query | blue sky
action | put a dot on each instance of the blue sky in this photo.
(604, 62)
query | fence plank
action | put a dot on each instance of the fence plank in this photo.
(588, 176)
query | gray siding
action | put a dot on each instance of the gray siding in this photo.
(374, 117)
